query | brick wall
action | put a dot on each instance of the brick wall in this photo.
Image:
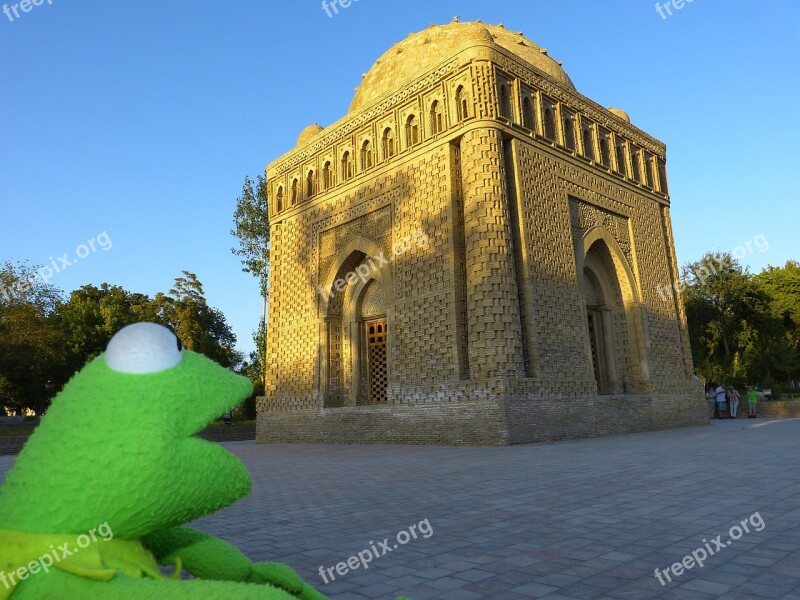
(488, 336)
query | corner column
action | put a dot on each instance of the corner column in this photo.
(494, 339)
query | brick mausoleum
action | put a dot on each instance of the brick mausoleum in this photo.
(473, 255)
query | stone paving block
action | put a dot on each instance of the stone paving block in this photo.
(535, 590)
(377, 494)
(706, 586)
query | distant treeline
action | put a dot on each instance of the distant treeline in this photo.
(45, 338)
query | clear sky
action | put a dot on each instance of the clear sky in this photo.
(141, 119)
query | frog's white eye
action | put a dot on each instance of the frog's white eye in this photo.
(143, 348)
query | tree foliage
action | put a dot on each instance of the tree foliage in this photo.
(91, 316)
(31, 354)
(45, 339)
(743, 327)
(200, 327)
(251, 228)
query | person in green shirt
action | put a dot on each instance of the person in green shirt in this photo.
(752, 402)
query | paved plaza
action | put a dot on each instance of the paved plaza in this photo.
(578, 519)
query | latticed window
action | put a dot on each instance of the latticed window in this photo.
(295, 191)
(279, 198)
(376, 347)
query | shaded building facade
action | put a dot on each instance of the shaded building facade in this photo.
(475, 254)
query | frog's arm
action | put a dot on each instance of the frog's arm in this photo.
(207, 557)
(58, 585)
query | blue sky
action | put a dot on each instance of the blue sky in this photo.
(141, 119)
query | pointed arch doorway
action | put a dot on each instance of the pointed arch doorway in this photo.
(355, 342)
(613, 317)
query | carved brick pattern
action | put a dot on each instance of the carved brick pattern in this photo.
(374, 226)
(492, 298)
(415, 192)
(291, 368)
(641, 216)
(560, 350)
(586, 216)
(375, 301)
(423, 333)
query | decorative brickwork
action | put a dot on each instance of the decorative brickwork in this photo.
(510, 237)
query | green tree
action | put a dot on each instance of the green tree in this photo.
(719, 295)
(200, 327)
(92, 315)
(251, 228)
(743, 327)
(783, 287)
(31, 344)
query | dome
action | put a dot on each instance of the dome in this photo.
(308, 133)
(619, 113)
(421, 52)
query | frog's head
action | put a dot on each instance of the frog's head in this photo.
(119, 443)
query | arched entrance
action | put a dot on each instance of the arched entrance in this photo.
(355, 315)
(613, 318)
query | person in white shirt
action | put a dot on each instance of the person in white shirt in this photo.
(721, 400)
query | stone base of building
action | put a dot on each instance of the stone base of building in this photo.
(519, 420)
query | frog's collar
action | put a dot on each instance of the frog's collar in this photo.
(23, 554)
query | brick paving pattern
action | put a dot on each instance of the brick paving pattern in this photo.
(580, 519)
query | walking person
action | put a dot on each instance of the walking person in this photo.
(721, 400)
(752, 402)
(733, 396)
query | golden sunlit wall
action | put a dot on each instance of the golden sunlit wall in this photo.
(475, 254)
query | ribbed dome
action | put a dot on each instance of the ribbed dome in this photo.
(421, 52)
(308, 133)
